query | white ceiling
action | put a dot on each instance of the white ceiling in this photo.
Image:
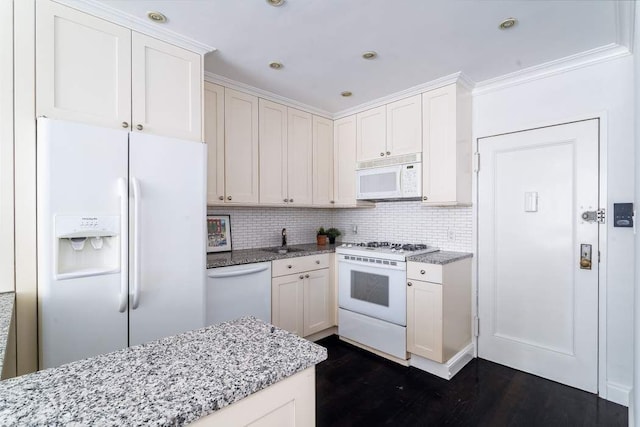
(320, 41)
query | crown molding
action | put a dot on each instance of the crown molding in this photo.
(265, 94)
(625, 23)
(100, 10)
(563, 65)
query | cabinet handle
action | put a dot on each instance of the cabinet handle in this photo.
(306, 275)
(425, 198)
(289, 266)
(220, 197)
(317, 261)
(125, 125)
(286, 200)
(301, 276)
(388, 153)
(409, 284)
(228, 197)
(422, 271)
(381, 154)
(332, 201)
(139, 127)
(290, 200)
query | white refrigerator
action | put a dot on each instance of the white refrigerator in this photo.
(121, 239)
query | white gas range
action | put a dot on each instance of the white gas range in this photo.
(372, 294)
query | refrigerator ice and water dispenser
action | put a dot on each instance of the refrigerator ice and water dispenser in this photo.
(86, 245)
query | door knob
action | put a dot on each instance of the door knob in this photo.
(139, 127)
(125, 125)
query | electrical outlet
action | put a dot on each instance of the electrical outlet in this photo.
(451, 234)
(355, 229)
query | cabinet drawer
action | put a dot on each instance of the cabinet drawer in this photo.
(282, 267)
(425, 272)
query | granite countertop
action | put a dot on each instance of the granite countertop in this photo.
(7, 300)
(440, 257)
(172, 381)
(248, 256)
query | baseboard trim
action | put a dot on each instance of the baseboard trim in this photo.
(444, 370)
(618, 393)
(322, 334)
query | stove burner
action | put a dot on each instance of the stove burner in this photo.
(377, 244)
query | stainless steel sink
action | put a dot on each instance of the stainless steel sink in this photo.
(283, 250)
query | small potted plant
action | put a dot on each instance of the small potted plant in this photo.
(321, 237)
(332, 233)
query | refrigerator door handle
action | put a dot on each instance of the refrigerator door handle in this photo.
(136, 242)
(124, 243)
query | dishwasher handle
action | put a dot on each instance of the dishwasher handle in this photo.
(237, 273)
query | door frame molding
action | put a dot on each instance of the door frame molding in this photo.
(603, 386)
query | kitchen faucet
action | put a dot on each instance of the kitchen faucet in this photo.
(284, 237)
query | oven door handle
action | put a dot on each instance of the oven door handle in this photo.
(400, 265)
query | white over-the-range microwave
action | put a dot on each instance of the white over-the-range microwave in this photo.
(390, 179)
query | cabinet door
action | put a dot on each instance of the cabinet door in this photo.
(372, 134)
(166, 89)
(344, 161)
(424, 320)
(322, 161)
(317, 301)
(273, 153)
(300, 157)
(287, 302)
(214, 137)
(404, 126)
(83, 67)
(240, 147)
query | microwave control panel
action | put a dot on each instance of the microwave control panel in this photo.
(411, 180)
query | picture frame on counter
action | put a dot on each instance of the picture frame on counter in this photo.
(218, 233)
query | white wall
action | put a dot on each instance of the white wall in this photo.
(634, 414)
(589, 91)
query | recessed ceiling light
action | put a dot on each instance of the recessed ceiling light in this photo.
(346, 94)
(157, 17)
(370, 55)
(508, 23)
(275, 65)
(275, 3)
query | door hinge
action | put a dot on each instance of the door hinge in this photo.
(476, 162)
(598, 257)
(476, 326)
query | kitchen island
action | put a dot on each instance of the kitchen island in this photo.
(173, 381)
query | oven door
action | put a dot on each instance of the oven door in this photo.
(373, 288)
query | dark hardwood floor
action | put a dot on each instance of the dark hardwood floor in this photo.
(357, 388)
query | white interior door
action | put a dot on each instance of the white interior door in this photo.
(167, 235)
(538, 309)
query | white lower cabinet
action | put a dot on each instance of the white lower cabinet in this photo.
(438, 309)
(302, 301)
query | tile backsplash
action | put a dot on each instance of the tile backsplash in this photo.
(446, 228)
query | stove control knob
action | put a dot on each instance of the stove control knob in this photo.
(349, 245)
(344, 245)
(401, 250)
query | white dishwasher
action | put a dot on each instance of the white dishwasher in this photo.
(238, 290)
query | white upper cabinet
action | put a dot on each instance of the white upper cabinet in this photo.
(344, 155)
(241, 147)
(300, 157)
(273, 153)
(83, 67)
(371, 134)
(322, 161)
(92, 71)
(214, 137)
(404, 126)
(166, 89)
(446, 146)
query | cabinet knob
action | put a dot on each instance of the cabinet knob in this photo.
(388, 153)
(289, 266)
(409, 284)
(228, 197)
(425, 198)
(139, 127)
(422, 271)
(290, 200)
(301, 276)
(125, 125)
(332, 201)
(306, 275)
(381, 154)
(286, 200)
(220, 197)
(317, 261)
